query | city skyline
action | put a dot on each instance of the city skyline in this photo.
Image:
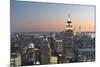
(50, 17)
(51, 33)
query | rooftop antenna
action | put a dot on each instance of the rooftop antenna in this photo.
(79, 28)
(69, 18)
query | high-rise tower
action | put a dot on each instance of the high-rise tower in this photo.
(68, 41)
(69, 24)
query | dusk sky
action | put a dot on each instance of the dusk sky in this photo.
(50, 17)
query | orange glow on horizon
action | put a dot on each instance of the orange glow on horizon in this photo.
(60, 25)
(85, 26)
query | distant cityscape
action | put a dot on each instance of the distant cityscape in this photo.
(40, 48)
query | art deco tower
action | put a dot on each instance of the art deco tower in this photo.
(69, 24)
(68, 41)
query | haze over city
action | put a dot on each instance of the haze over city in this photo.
(50, 17)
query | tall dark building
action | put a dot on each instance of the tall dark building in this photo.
(68, 47)
(45, 52)
(59, 51)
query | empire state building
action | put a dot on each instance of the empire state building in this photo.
(68, 47)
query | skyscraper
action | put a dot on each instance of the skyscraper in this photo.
(45, 52)
(68, 47)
